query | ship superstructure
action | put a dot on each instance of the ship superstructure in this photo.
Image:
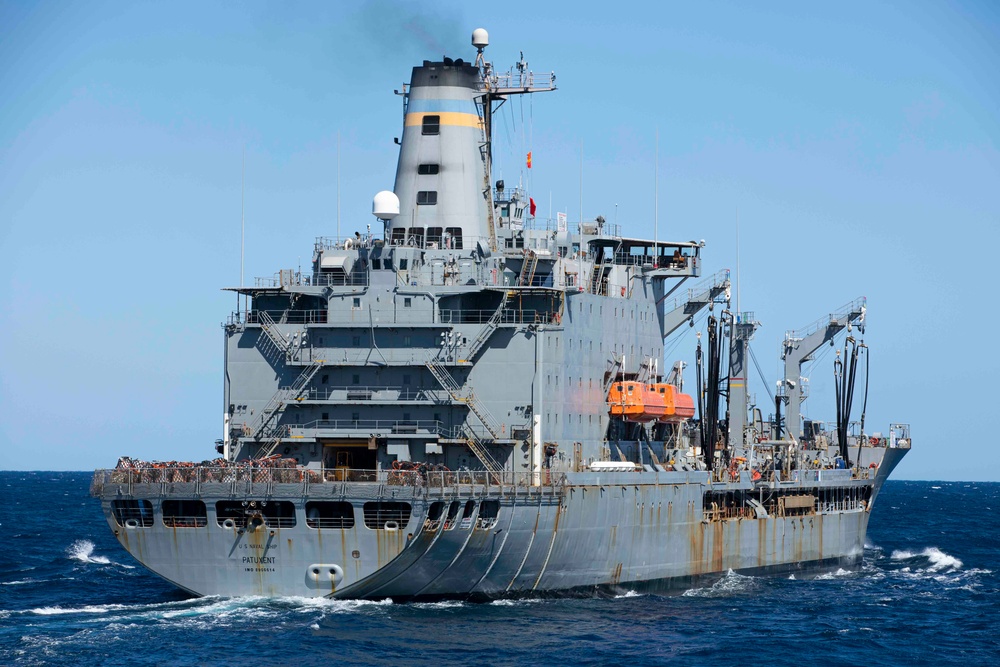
(476, 403)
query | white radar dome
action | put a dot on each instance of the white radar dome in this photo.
(480, 38)
(385, 206)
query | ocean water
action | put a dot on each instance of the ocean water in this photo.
(928, 593)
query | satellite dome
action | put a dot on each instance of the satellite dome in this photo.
(480, 38)
(385, 206)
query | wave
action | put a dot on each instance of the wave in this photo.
(444, 604)
(730, 584)
(18, 582)
(841, 572)
(939, 561)
(509, 602)
(88, 609)
(82, 550)
(628, 594)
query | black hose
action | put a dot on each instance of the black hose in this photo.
(838, 371)
(699, 362)
(864, 406)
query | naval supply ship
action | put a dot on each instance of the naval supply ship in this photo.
(476, 405)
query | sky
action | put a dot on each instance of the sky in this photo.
(856, 143)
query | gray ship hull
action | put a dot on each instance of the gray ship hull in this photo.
(586, 533)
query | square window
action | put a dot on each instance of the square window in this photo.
(326, 416)
(355, 416)
(357, 302)
(324, 379)
(407, 302)
(406, 341)
(427, 197)
(428, 169)
(431, 125)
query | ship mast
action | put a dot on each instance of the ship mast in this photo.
(499, 87)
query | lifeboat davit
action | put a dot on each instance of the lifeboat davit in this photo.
(636, 402)
(678, 406)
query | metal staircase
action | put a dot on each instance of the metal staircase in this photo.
(482, 453)
(528, 267)
(487, 331)
(476, 444)
(277, 404)
(598, 277)
(269, 327)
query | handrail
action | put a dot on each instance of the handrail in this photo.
(844, 311)
(254, 480)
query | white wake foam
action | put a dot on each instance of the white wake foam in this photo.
(627, 594)
(841, 572)
(939, 561)
(730, 584)
(88, 609)
(83, 550)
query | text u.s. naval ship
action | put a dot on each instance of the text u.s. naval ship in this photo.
(474, 405)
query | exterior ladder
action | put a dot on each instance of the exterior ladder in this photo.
(277, 402)
(475, 443)
(479, 448)
(598, 277)
(468, 398)
(528, 268)
(268, 326)
(487, 331)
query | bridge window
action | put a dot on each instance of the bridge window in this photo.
(325, 514)
(386, 515)
(427, 197)
(431, 125)
(428, 169)
(133, 513)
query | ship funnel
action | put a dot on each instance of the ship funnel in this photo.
(441, 177)
(385, 206)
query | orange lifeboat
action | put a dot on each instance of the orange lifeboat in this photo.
(636, 402)
(677, 406)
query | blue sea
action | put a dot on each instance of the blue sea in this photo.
(928, 593)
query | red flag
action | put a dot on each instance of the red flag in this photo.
(529, 159)
(531, 203)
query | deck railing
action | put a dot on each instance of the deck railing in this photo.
(254, 480)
